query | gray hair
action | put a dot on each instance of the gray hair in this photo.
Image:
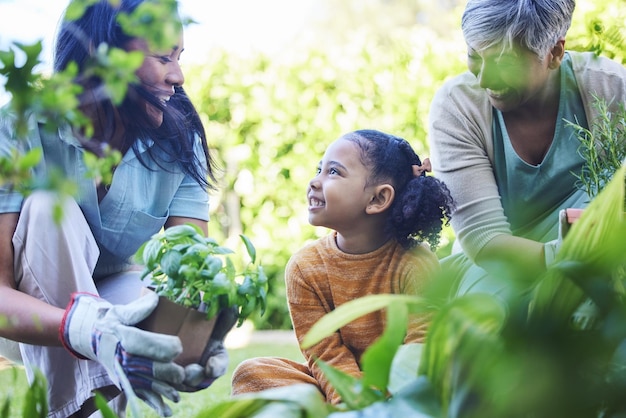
(533, 24)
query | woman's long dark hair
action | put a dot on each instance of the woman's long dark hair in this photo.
(76, 41)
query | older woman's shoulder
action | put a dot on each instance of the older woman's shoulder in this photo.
(590, 61)
(462, 90)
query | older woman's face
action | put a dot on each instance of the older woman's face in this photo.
(159, 73)
(511, 78)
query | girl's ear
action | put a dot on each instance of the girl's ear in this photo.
(381, 200)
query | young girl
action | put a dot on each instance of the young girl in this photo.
(372, 191)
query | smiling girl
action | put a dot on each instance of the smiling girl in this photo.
(372, 191)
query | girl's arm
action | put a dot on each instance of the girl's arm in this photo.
(306, 307)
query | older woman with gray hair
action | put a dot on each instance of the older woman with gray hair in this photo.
(500, 137)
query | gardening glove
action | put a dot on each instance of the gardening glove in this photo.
(550, 248)
(214, 357)
(94, 329)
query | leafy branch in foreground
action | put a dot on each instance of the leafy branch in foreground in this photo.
(53, 101)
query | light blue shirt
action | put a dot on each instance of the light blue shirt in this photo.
(139, 200)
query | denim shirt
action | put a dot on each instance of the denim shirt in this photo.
(139, 200)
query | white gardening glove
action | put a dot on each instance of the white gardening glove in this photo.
(214, 357)
(94, 329)
(550, 248)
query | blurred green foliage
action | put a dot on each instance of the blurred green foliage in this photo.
(599, 26)
(269, 122)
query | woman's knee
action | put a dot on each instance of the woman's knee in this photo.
(43, 207)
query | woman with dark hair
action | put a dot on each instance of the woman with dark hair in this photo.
(69, 289)
(372, 191)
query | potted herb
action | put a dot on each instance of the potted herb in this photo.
(603, 147)
(198, 285)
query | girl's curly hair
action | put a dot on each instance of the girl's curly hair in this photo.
(423, 204)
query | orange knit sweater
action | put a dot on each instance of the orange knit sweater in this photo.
(321, 277)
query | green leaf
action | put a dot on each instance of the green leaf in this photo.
(103, 407)
(457, 331)
(263, 299)
(377, 359)
(221, 285)
(249, 248)
(247, 287)
(151, 252)
(182, 245)
(404, 366)
(352, 391)
(262, 277)
(234, 408)
(231, 271)
(247, 308)
(30, 159)
(213, 265)
(352, 310)
(170, 263)
(417, 400)
(189, 272)
(36, 399)
(138, 257)
(76, 9)
(6, 407)
(593, 237)
(177, 232)
(141, 22)
(306, 398)
(184, 265)
(597, 241)
(222, 250)
(57, 212)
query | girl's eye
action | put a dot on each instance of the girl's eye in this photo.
(318, 170)
(333, 171)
